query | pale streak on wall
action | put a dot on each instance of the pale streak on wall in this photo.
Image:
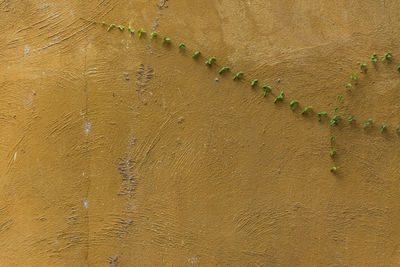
(120, 152)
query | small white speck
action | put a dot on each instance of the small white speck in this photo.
(15, 156)
(87, 127)
(85, 203)
(27, 50)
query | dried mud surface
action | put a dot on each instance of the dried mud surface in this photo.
(117, 151)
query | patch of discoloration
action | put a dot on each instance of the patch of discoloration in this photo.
(144, 74)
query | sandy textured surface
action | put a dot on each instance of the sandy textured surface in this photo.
(119, 151)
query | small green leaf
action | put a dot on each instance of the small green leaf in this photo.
(353, 77)
(182, 46)
(254, 82)
(398, 128)
(131, 29)
(226, 68)
(336, 109)
(334, 119)
(368, 122)
(387, 56)
(155, 34)
(398, 67)
(348, 85)
(383, 127)
(238, 75)
(293, 104)
(332, 152)
(333, 138)
(363, 65)
(340, 98)
(351, 118)
(266, 88)
(110, 27)
(306, 109)
(196, 53)
(320, 114)
(279, 97)
(121, 28)
(334, 169)
(374, 58)
(141, 31)
(166, 40)
(210, 61)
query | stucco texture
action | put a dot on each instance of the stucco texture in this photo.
(122, 151)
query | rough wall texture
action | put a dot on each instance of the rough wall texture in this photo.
(118, 151)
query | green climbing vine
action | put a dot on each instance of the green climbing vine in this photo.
(335, 116)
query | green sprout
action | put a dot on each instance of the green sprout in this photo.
(398, 67)
(196, 53)
(306, 109)
(363, 66)
(340, 98)
(121, 27)
(353, 77)
(110, 27)
(383, 127)
(333, 138)
(254, 82)
(320, 114)
(336, 109)
(131, 29)
(103, 23)
(387, 55)
(374, 58)
(351, 118)
(368, 122)
(266, 88)
(279, 97)
(226, 68)
(210, 61)
(181, 46)
(238, 75)
(398, 128)
(332, 152)
(293, 104)
(166, 40)
(154, 34)
(141, 31)
(334, 119)
(334, 169)
(348, 85)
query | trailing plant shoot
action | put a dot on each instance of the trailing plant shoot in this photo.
(254, 82)
(266, 88)
(181, 46)
(238, 75)
(110, 27)
(320, 114)
(293, 104)
(154, 34)
(210, 61)
(141, 31)
(306, 109)
(368, 122)
(387, 56)
(226, 68)
(279, 97)
(196, 54)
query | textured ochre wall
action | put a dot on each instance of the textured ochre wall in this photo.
(120, 151)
